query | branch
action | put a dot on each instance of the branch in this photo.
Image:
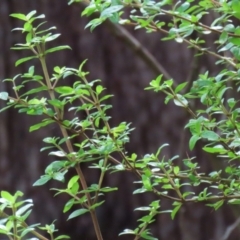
(230, 229)
(24, 225)
(137, 47)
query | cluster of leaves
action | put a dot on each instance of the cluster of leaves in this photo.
(214, 120)
(98, 139)
(91, 139)
(13, 224)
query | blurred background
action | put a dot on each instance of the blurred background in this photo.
(126, 61)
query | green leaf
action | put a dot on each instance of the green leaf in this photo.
(4, 96)
(140, 190)
(235, 41)
(22, 60)
(217, 204)
(50, 140)
(89, 10)
(146, 182)
(42, 16)
(114, 18)
(183, 7)
(62, 237)
(59, 176)
(56, 103)
(180, 101)
(234, 201)
(68, 205)
(146, 235)
(127, 231)
(27, 28)
(180, 87)
(59, 48)
(35, 90)
(18, 194)
(40, 125)
(216, 149)
(210, 135)
(23, 209)
(236, 8)
(160, 149)
(52, 37)
(231, 102)
(24, 217)
(108, 12)
(223, 37)
(236, 52)
(5, 108)
(168, 83)
(105, 97)
(99, 89)
(94, 23)
(46, 148)
(192, 141)
(43, 179)
(176, 209)
(167, 186)
(64, 90)
(77, 213)
(19, 16)
(9, 197)
(108, 189)
(176, 170)
(32, 13)
(73, 180)
(58, 153)
(142, 209)
(97, 205)
(57, 69)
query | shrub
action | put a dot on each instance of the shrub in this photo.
(213, 120)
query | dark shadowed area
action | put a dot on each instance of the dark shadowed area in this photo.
(125, 72)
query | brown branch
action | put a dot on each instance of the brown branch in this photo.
(137, 47)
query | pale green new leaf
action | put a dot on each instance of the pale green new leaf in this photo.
(78, 212)
(55, 49)
(180, 101)
(4, 96)
(108, 12)
(19, 16)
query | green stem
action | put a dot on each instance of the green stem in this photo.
(24, 225)
(103, 171)
(70, 149)
(145, 226)
(14, 223)
(172, 14)
(172, 182)
(192, 44)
